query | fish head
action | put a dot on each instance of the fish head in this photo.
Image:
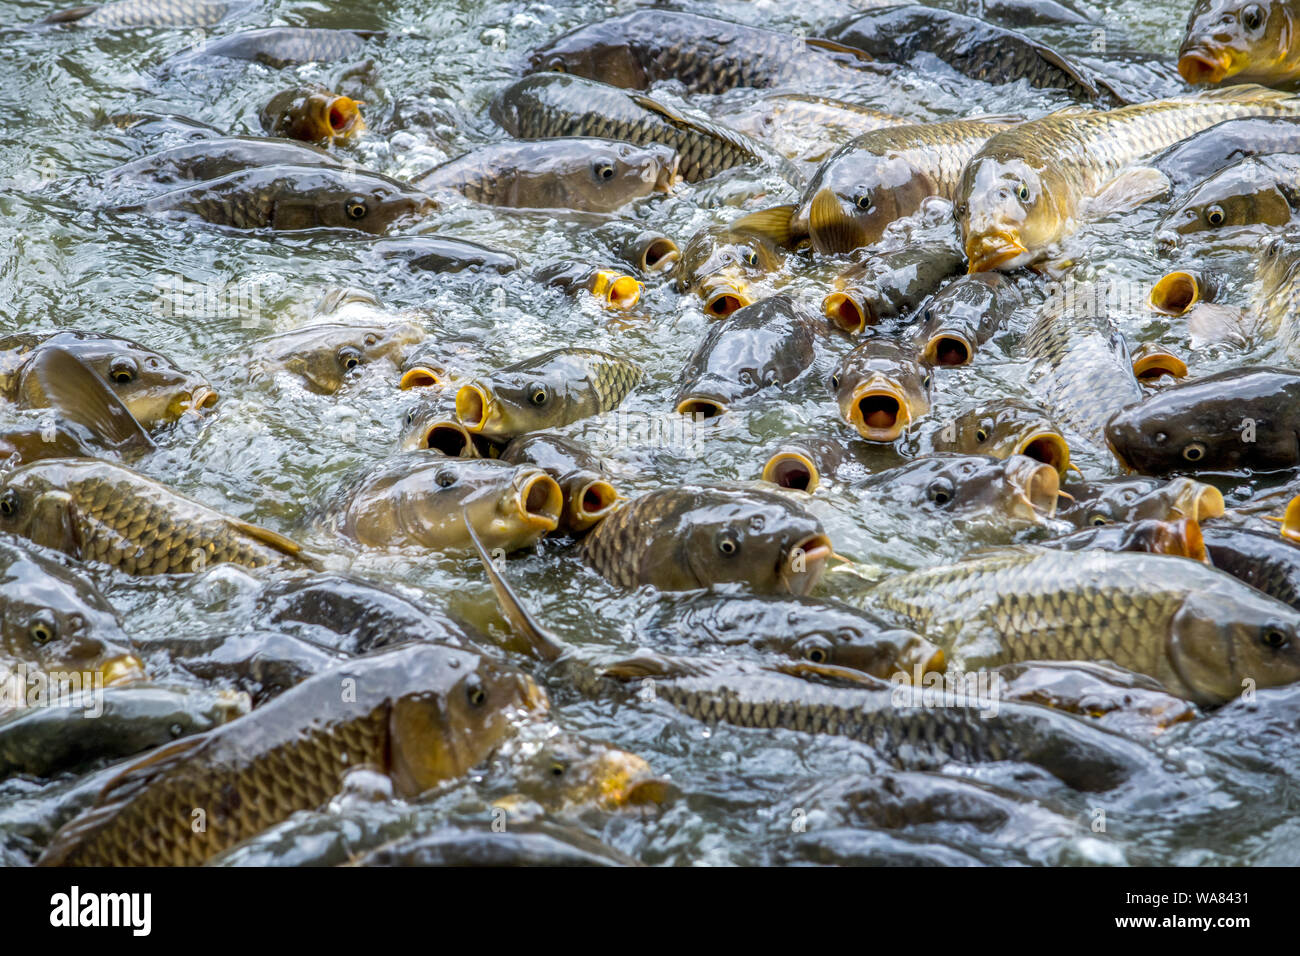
(1195, 426)
(328, 354)
(38, 502)
(342, 199)
(1240, 197)
(762, 540)
(614, 174)
(1139, 499)
(568, 772)
(1009, 212)
(1249, 41)
(152, 387)
(857, 194)
(588, 498)
(847, 640)
(1008, 428)
(881, 390)
(1222, 641)
(433, 425)
(509, 403)
(594, 52)
(313, 114)
(738, 360)
(971, 487)
(793, 467)
(467, 706)
(722, 267)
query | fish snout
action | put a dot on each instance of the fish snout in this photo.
(201, 398)
(948, 348)
(615, 290)
(537, 499)
(1048, 447)
(1036, 483)
(1152, 363)
(792, 469)
(450, 438)
(592, 502)
(474, 406)
(1197, 500)
(1203, 65)
(701, 405)
(723, 296)
(802, 565)
(343, 116)
(833, 229)
(424, 375)
(998, 249)
(122, 669)
(848, 309)
(879, 410)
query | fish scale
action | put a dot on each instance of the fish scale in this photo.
(148, 13)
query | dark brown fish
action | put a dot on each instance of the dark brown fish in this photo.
(964, 315)
(312, 114)
(881, 389)
(589, 495)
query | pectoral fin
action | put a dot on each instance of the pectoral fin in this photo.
(79, 394)
(1127, 191)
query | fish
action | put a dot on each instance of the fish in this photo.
(572, 172)
(154, 390)
(722, 265)
(881, 389)
(1004, 428)
(816, 630)
(1276, 294)
(213, 158)
(1016, 489)
(908, 33)
(1080, 364)
(647, 250)
(1198, 631)
(170, 127)
(531, 842)
(546, 391)
(432, 424)
(1180, 538)
(278, 47)
(803, 128)
(589, 494)
(962, 316)
(884, 175)
(680, 539)
(419, 713)
(768, 344)
(431, 253)
(132, 718)
(548, 105)
(288, 198)
(706, 55)
(122, 14)
(889, 284)
(800, 461)
(1267, 562)
(105, 512)
(1239, 418)
(1176, 292)
(54, 618)
(567, 773)
(1200, 156)
(426, 499)
(326, 354)
(611, 288)
(312, 114)
(1030, 186)
(1241, 40)
(1257, 192)
(1091, 504)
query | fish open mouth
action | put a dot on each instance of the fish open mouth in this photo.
(1195, 499)
(1157, 363)
(948, 349)
(201, 399)
(848, 310)
(594, 501)
(880, 413)
(659, 255)
(723, 298)
(539, 501)
(990, 252)
(669, 175)
(1049, 448)
(122, 670)
(422, 376)
(1204, 66)
(473, 405)
(344, 117)
(615, 291)
(932, 659)
(706, 407)
(1175, 293)
(789, 469)
(450, 438)
(803, 565)
(1181, 539)
(1037, 485)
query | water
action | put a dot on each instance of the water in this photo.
(275, 451)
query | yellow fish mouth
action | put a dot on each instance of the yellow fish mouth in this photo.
(880, 413)
(122, 670)
(422, 376)
(1203, 65)
(1036, 485)
(724, 297)
(614, 290)
(707, 407)
(790, 469)
(539, 501)
(987, 253)
(201, 399)
(450, 438)
(948, 349)
(342, 116)
(659, 255)
(814, 551)
(594, 501)
(473, 407)
(848, 311)
(1175, 293)
(1156, 363)
(1049, 448)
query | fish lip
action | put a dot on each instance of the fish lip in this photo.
(122, 669)
(660, 254)
(815, 549)
(990, 252)
(201, 399)
(656, 790)
(1048, 443)
(1175, 293)
(848, 310)
(1202, 65)
(669, 176)
(594, 501)
(699, 405)
(838, 231)
(422, 376)
(1157, 362)
(1190, 540)
(947, 342)
(725, 297)
(1037, 483)
(439, 430)
(473, 406)
(615, 290)
(1197, 500)
(348, 113)
(901, 412)
(539, 500)
(790, 469)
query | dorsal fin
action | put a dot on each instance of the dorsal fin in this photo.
(543, 643)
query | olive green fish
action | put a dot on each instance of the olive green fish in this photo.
(149, 13)
(1257, 192)
(1246, 41)
(325, 354)
(1004, 428)
(589, 495)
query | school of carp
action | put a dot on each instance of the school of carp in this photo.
(968, 340)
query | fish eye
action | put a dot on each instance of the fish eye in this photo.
(1252, 17)
(410, 416)
(835, 382)
(123, 370)
(1023, 193)
(349, 357)
(371, 339)
(925, 383)
(1097, 520)
(476, 695)
(745, 378)
(863, 201)
(981, 434)
(817, 655)
(9, 503)
(537, 394)
(558, 768)
(557, 66)
(356, 209)
(1274, 638)
(940, 492)
(603, 170)
(748, 256)
(960, 210)
(1194, 452)
(43, 628)
(445, 478)
(728, 543)
(1214, 215)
